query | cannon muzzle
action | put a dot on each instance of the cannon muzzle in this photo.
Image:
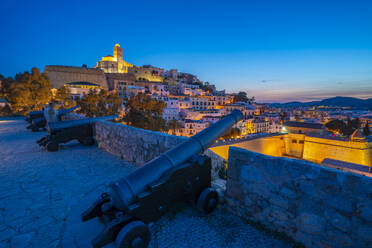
(124, 191)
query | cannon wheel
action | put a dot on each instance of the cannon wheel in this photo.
(135, 234)
(52, 146)
(207, 200)
(88, 141)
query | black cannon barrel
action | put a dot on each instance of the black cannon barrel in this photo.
(54, 126)
(66, 111)
(32, 113)
(124, 191)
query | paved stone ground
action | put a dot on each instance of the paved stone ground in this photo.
(37, 188)
(40, 190)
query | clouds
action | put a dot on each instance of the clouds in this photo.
(307, 92)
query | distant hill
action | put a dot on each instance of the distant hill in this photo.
(338, 101)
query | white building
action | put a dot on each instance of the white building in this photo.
(192, 127)
(171, 114)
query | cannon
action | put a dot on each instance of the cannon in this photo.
(38, 120)
(180, 175)
(37, 124)
(34, 115)
(62, 132)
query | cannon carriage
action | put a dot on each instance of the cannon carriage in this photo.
(180, 175)
(62, 132)
(34, 115)
(38, 120)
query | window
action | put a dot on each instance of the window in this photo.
(294, 141)
(301, 141)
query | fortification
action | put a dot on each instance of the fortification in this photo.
(311, 147)
(113, 79)
(60, 75)
(316, 205)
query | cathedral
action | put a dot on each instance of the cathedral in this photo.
(114, 64)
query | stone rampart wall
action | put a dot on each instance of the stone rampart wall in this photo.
(310, 148)
(139, 146)
(273, 146)
(60, 75)
(317, 149)
(135, 145)
(315, 205)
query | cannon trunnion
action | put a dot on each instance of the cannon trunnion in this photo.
(179, 175)
(62, 132)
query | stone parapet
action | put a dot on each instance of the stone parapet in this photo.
(135, 145)
(315, 205)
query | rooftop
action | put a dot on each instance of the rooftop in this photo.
(83, 83)
(303, 124)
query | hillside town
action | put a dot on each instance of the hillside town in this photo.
(190, 104)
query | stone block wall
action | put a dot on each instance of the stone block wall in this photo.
(139, 146)
(316, 149)
(135, 145)
(315, 205)
(60, 75)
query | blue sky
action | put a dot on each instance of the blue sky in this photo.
(275, 50)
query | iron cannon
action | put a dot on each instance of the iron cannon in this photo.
(180, 175)
(65, 131)
(38, 120)
(34, 115)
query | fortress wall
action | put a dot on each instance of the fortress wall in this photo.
(294, 145)
(273, 146)
(315, 205)
(314, 149)
(139, 146)
(317, 149)
(60, 75)
(135, 145)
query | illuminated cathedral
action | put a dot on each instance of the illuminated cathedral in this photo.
(114, 64)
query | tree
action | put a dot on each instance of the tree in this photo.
(336, 126)
(366, 131)
(207, 87)
(27, 91)
(63, 97)
(5, 111)
(100, 103)
(355, 123)
(349, 127)
(283, 116)
(174, 125)
(242, 97)
(232, 133)
(145, 112)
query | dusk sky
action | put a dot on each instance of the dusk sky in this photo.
(275, 50)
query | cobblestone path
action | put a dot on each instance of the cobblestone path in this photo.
(39, 188)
